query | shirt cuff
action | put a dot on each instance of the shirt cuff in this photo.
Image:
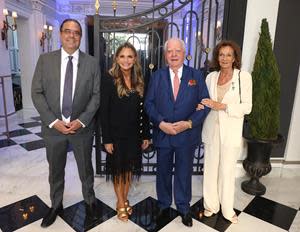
(81, 123)
(52, 123)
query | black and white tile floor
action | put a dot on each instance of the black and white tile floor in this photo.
(24, 196)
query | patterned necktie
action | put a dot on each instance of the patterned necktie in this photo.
(175, 84)
(67, 97)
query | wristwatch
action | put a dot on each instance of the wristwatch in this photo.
(190, 124)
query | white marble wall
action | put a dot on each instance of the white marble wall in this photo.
(29, 34)
(256, 11)
(5, 71)
(292, 151)
(4, 67)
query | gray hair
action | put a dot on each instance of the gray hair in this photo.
(174, 39)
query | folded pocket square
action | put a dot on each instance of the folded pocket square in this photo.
(192, 82)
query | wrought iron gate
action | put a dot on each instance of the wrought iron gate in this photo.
(197, 22)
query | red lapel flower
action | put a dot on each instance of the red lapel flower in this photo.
(192, 82)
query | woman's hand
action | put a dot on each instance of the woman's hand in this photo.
(145, 144)
(109, 147)
(208, 103)
(200, 107)
(213, 104)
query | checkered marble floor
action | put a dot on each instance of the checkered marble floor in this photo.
(24, 192)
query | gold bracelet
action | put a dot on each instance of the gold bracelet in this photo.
(190, 124)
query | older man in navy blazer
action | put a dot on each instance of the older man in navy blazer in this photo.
(171, 103)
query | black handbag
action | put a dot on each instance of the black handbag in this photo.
(245, 132)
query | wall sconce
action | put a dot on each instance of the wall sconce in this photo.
(46, 34)
(134, 3)
(6, 25)
(114, 6)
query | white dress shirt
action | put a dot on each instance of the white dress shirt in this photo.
(63, 66)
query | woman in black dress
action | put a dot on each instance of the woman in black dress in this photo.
(125, 127)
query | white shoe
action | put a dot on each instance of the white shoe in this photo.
(208, 213)
(233, 219)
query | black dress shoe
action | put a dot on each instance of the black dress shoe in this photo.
(187, 220)
(162, 217)
(91, 212)
(163, 213)
(51, 216)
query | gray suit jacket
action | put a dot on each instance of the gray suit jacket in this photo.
(45, 91)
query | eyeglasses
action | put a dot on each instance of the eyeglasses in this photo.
(70, 32)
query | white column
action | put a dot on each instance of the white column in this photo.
(29, 44)
(83, 43)
(256, 11)
(5, 71)
(292, 151)
(55, 36)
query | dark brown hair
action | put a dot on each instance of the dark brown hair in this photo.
(137, 81)
(70, 20)
(236, 51)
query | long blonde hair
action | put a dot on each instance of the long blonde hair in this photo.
(137, 82)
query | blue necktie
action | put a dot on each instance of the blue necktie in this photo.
(67, 97)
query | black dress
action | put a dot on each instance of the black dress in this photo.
(125, 125)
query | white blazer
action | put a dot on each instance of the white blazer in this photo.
(231, 120)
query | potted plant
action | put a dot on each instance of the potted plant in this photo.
(262, 124)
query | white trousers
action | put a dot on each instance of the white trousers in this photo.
(219, 176)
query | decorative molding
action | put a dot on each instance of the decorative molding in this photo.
(25, 7)
(22, 7)
(54, 7)
(36, 5)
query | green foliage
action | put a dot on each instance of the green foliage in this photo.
(264, 118)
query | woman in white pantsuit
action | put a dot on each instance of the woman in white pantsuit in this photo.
(230, 93)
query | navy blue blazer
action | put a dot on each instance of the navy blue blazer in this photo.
(161, 106)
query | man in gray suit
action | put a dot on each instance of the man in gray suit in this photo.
(66, 93)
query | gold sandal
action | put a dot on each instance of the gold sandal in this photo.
(122, 214)
(128, 207)
(234, 219)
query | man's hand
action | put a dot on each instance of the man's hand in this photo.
(109, 147)
(74, 126)
(62, 127)
(167, 128)
(181, 126)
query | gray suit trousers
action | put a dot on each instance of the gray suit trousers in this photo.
(56, 147)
